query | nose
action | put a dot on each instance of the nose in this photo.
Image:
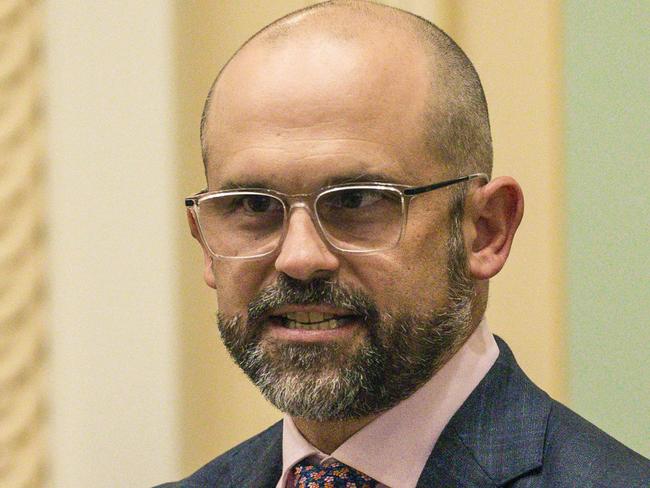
(303, 255)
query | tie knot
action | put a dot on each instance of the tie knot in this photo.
(332, 475)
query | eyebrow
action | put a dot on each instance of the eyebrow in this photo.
(334, 180)
(236, 185)
(360, 178)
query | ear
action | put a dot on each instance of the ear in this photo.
(208, 272)
(496, 211)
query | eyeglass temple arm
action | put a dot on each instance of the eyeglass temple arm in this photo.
(423, 189)
(191, 201)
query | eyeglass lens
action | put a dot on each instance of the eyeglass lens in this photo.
(361, 219)
(247, 224)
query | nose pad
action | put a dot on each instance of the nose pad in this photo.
(304, 255)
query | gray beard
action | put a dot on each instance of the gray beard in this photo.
(327, 381)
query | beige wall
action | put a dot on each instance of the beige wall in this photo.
(516, 47)
(112, 202)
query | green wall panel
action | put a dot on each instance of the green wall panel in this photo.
(607, 49)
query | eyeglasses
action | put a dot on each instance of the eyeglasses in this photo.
(352, 218)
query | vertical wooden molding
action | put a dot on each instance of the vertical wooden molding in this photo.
(517, 50)
(22, 334)
(443, 13)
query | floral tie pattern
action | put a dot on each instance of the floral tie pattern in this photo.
(334, 475)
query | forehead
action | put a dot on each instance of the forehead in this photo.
(301, 113)
(287, 169)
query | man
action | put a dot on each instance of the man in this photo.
(350, 229)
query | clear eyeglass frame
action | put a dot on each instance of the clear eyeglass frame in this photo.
(309, 200)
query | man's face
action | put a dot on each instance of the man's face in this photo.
(294, 118)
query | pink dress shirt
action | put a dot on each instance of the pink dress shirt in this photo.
(394, 447)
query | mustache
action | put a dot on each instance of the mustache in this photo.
(289, 291)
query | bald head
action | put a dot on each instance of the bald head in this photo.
(405, 59)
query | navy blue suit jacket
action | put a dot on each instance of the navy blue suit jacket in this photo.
(507, 433)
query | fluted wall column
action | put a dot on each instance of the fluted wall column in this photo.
(22, 331)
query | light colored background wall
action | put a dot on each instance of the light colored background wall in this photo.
(112, 226)
(608, 175)
(141, 391)
(516, 48)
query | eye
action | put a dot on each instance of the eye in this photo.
(258, 203)
(242, 206)
(355, 198)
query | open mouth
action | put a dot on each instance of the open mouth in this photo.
(312, 320)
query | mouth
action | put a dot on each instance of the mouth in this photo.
(311, 320)
(313, 323)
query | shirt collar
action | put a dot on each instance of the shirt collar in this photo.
(394, 448)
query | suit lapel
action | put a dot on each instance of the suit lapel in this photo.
(496, 435)
(452, 464)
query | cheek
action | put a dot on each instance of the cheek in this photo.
(412, 277)
(237, 284)
(425, 250)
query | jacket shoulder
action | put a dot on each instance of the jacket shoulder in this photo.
(578, 452)
(511, 433)
(255, 462)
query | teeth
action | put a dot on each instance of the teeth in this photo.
(323, 325)
(315, 317)
(302, 317)
(308, 317)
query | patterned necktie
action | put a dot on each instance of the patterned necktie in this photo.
(334, 475)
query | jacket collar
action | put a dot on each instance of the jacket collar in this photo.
(497, 434)
(260, 465)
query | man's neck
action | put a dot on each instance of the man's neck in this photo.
(327, 436)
